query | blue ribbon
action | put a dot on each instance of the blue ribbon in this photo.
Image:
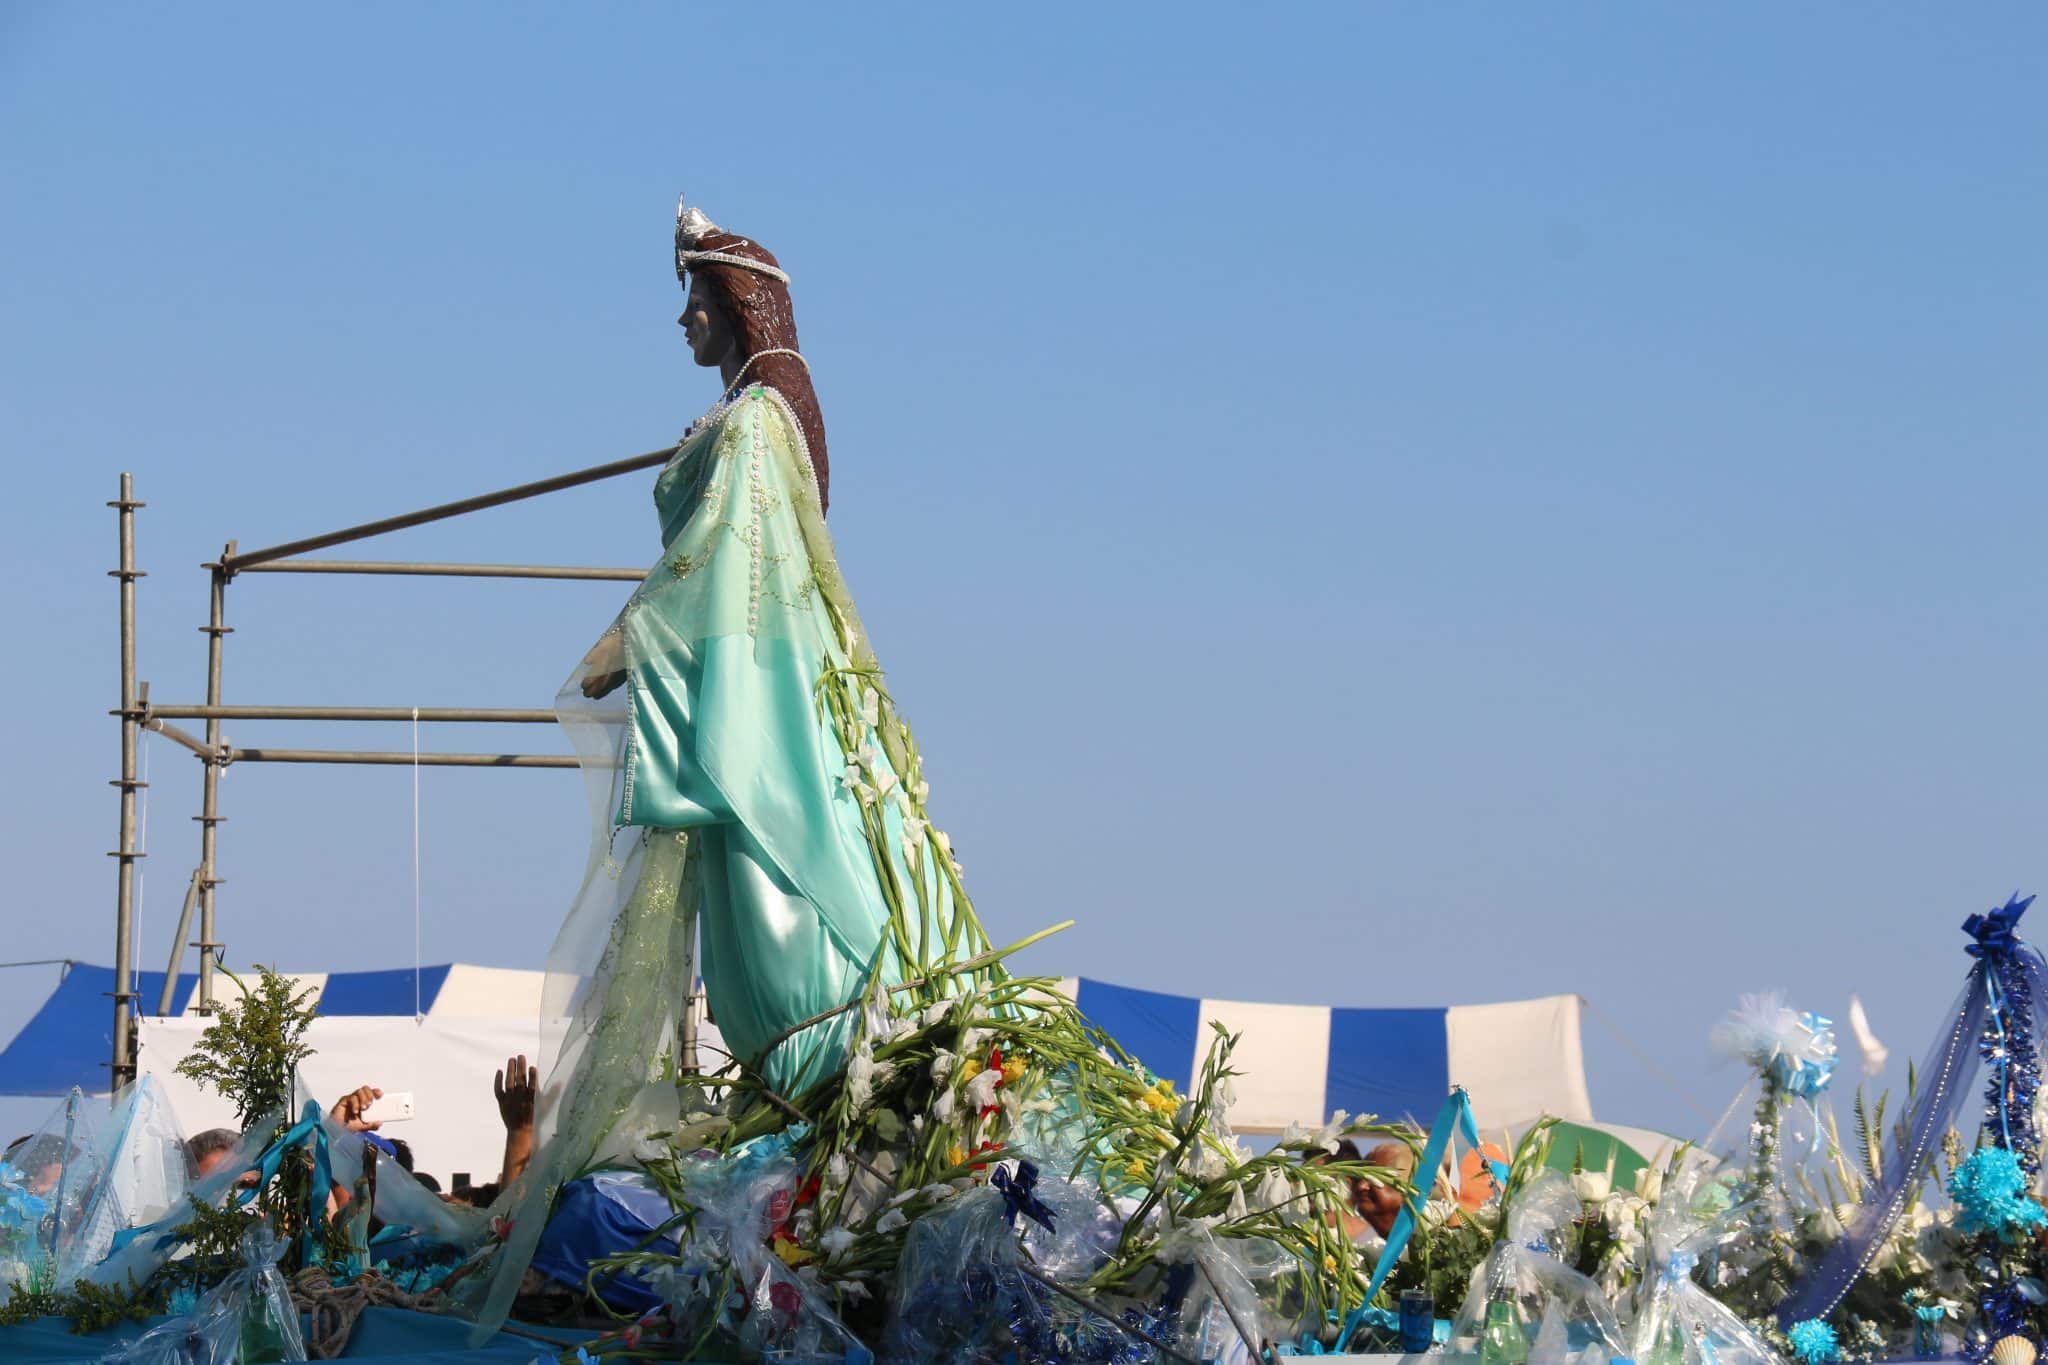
(1996, 932)
(1018, 1196)
(1455, 1117)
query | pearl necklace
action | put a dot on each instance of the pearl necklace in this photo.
(731, 392)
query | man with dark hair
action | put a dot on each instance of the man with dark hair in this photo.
(209, 1149)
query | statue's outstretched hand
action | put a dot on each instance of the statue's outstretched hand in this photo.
(604, 666)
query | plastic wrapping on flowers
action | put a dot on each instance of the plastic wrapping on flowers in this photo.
(247, 1317)
(1676, 1321)
(1523, 1293)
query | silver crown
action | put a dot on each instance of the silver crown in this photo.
(692, 227)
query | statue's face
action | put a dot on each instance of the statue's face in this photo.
(704, 325)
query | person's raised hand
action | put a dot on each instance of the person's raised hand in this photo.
(516, 1087)
(348, 1110)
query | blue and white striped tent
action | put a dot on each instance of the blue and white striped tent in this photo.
(1519, 1059)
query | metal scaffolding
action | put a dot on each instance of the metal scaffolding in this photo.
(137, 713)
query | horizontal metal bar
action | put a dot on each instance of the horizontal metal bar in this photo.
(480, 714)
(172, 732)
(401, 758)
(386, 566)
(236, 563)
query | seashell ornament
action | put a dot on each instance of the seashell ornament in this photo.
(2013, 1350)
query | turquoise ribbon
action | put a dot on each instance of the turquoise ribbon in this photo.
(1454, 1118)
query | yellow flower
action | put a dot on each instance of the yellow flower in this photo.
(969, 1069)
(1138, 1169)
(1013, 1070)
(1160, 1098)
(1329, 1265)
(957, 1155)
(792, 1255)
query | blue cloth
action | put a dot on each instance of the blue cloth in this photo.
(603, 1215)
(392, 1336)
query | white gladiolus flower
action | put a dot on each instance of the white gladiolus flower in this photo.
(870, 706)
(850, 779)
(1238, 1208)
(866, 756)
(943, 1063)
(1275, 1188)
(836, 1243)
(884, 782)
(891, 1221)
(1592, 1187)
(838, 1169)
(860, 1077)
(1295, 1133)
(945, 1106)
(936, 1011)
(981, 1091)
(1205, 1163)
(974, 1042)
(1333, 1131)
(913, 834)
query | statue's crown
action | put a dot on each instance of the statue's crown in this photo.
(692, 227)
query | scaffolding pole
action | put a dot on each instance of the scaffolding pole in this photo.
(232, 563)
(438, 714)
(209, 817)
(400, 757)
(125, 855)
(430, 570)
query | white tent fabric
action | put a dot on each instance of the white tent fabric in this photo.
(1518, 1060)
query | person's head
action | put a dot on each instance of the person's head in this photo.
(738, 309)
(210, 1149)
(428, 1181)
(1379, 1203)
(40, 1161)
(401, 1152)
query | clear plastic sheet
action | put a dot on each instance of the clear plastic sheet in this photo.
(1524, 1300)
(1677, 1322)
(1223, 1314)
(54, 1171)
(142, 1174)
(401, 1202)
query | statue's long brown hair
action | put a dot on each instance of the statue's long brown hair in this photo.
(762, 319)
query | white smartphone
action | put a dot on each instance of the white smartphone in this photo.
(394, 1106)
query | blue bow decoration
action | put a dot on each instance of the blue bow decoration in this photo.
(1996, 932)
(1018, 1196)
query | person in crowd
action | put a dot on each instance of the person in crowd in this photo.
(1378, 1202)
(40, 1161)
(1347, 1218)
(211, 1149)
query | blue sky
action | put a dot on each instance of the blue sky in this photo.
(1363, 504)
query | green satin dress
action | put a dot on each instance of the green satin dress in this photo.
(757, 726)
